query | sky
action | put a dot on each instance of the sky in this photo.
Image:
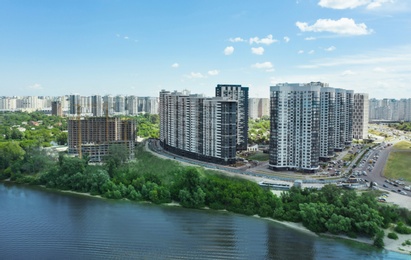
(128, 47)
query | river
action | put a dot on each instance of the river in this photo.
(40, 224)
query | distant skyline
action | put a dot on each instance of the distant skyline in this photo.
(140, 47)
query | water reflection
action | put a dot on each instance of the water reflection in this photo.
(38, 224)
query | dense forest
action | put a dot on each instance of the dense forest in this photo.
(150, 178)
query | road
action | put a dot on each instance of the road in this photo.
(376, 175)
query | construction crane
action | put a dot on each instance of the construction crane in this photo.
(79, 131)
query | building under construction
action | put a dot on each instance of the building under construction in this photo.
(94, 135)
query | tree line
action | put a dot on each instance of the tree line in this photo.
(149, 178)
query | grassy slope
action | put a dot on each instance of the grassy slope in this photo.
(399, 162)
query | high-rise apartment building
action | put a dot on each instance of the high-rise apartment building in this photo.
(94, 135)
(198, 127)
(97, 105)
(240, 94)
(344, 103)
(258, 107)
(56, 109)
(308, 122)
(360, 116)
(108, 105)
(132, 105)
(75, 105)
(148, 105)
(390, 109)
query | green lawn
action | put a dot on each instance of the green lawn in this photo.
(403, 145)
(398, 165)
(259, 156)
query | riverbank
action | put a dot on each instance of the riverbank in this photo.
(391, 245)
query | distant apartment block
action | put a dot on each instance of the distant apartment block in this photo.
(360, 116)
(308, 123)
(93, 136)
(75, 105)
(56, 109)
(240, 94)
(198, 127)
(8, 104)
(258, 107)
(95, 105)
(390, 109)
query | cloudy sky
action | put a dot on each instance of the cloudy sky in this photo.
(140, 47)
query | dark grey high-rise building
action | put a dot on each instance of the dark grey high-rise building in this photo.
(75, 106)
(97, 105)
(56, 108)
(240, 94)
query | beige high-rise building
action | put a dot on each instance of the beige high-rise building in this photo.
(258, 107)
(360, 116)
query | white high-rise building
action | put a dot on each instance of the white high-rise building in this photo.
(198, 127)
(308, 122)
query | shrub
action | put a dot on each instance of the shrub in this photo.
(402, 229)
(392, 235)
(379, 241)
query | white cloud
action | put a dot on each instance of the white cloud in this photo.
(351, 4)
(258, 50)
(331, 48)
(343, 26)
(229, 50)
(125, 37)
(379, 69)
(213, 72)
(268, 66)
(267, 41)
(35, 86)
(311, 52)
(195, 75)
(175, 65)
(236, 39)
(309, 38)
(300, 52)
(342, 4)
(348, 73)
(286, 39)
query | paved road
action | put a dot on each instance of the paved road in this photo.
(377, 172)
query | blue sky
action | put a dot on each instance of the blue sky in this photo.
(140, 47)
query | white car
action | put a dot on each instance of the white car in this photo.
(407, 188)
(403, 193)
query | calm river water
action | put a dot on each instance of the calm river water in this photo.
(40, 224)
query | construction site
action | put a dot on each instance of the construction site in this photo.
(92, 136)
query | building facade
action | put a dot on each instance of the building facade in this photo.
(308, 123)
(258, 107)
(56, 109)
(360, 116)
(75, 105)
(198, 127)
(97, 105)
(240, 94)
